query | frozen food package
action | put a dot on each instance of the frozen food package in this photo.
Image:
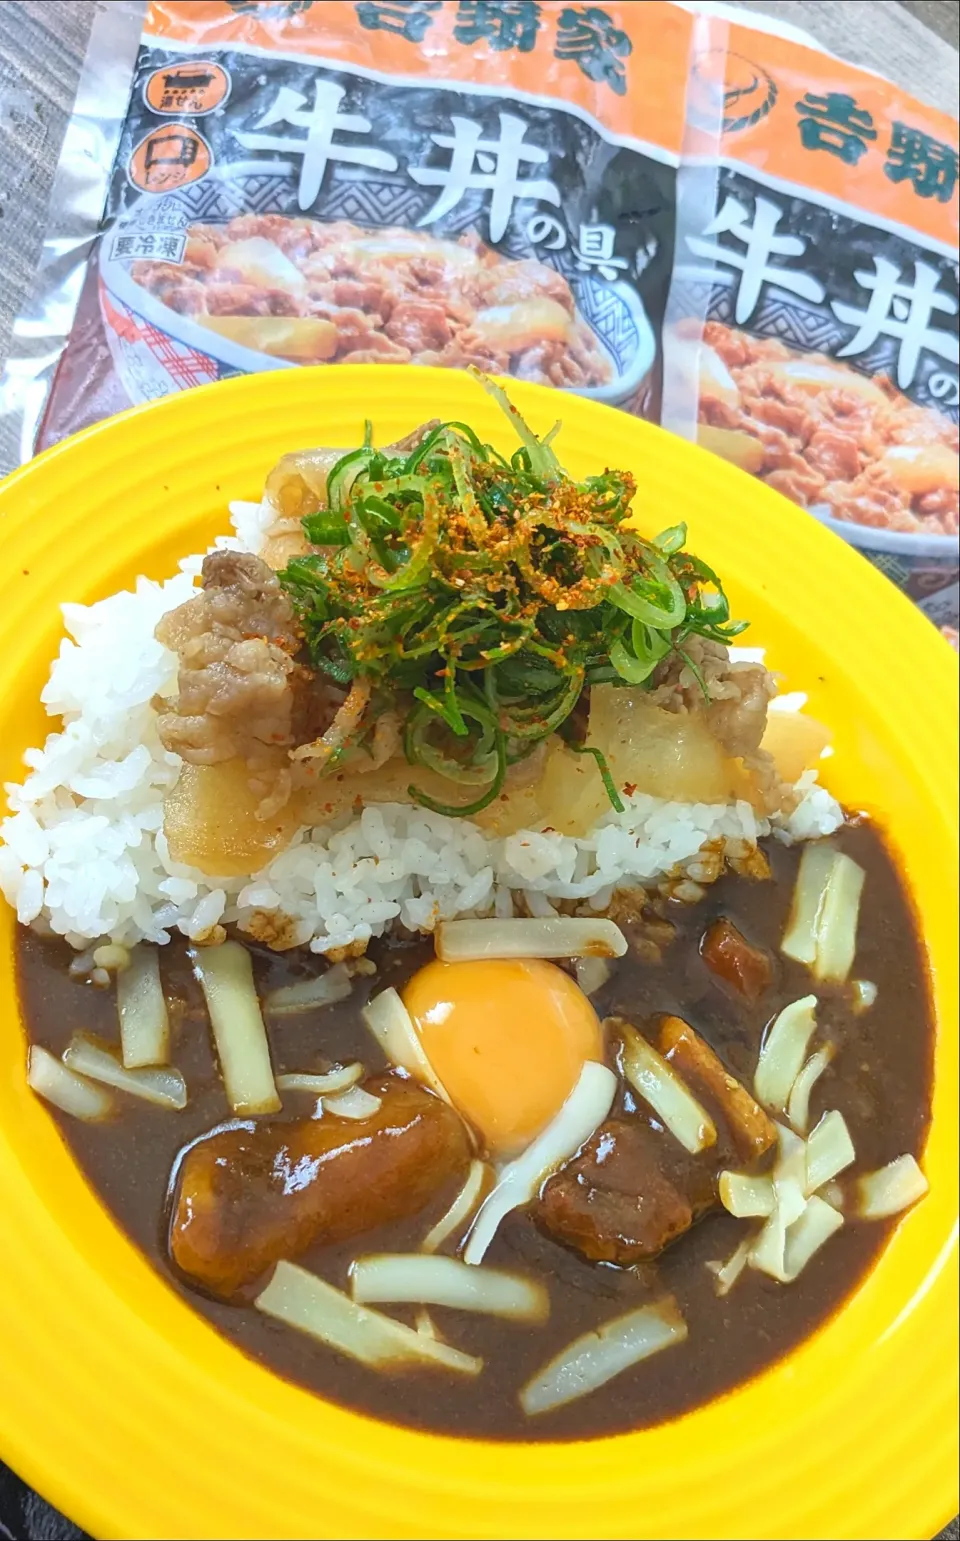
(429, 183)
(812, 331)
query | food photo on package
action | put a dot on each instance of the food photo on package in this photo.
(719, 228)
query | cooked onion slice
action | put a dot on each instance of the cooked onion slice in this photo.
(890, 1189)
(460, 1210)
(585, 1108)
(226, 977)
(595, 1358)
(339, 1080)
(789, 1178)
(800, 938)
(592, 974)
(307, 994)
(346, 720)
(783, 1052)
(564, 936)
(807, 1235)
(301, 1300)
(69, 1092)
(822, 930)
(798, 1103)
(727, 1274)
(144, 1024)
(355, 1103)
(660, 1086)
(799, 1220)
(745, 1196)
(837, 930)
(391, 1024)
(829, 1151)
(412, 1278)
(161, 1084)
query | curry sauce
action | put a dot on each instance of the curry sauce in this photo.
(880, 1080)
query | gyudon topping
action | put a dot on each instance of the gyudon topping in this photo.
(338, 293)
(481, 636)
(824, 434)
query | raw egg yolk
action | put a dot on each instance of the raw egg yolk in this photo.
(507, 1039)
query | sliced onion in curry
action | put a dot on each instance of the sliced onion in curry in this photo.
(829, 1151)
(564, 936)
(798, 1102)
(789, 1179)
(305, 994)
(822, 929)
(837, 930)
(353, 1103)
(584, 1110)
(800, 938)
(327, 1085)
(595, 1358)
(415, 1279)
(160, 1084)
(807, 1235)
(659, 1085)
(142, 1008)
(726, 1274)
(783, 1052)
(226, 978)
(592, 974)
(891, 1189)
(745, 1196)
(66, 1090)
(391, 1024)
(301, 1300)
(460, 1210)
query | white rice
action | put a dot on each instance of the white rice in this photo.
(83, 847)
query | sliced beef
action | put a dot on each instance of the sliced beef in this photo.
(419, 325)
(249, 1194)
(737, 693)
(627, 1195)
(834, 454)
(236, 641)
(824, 443)
(391, 294)
(738, 718)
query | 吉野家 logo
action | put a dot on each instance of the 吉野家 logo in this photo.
(728, 92)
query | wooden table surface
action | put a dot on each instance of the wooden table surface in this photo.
(42, 43)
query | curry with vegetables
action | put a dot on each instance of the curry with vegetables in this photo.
(368, 1222)
(637, 1125)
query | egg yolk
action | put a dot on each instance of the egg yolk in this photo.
(507, 1039)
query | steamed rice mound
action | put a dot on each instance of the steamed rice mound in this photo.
(84, 850)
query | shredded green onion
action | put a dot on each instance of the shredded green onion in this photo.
(608, 783)
(481, 596)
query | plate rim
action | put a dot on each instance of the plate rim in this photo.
(906, 618)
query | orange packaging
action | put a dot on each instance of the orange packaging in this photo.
(446, 183)
(812, 334)
(707, 224)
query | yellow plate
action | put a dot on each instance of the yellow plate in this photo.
(128, 1410)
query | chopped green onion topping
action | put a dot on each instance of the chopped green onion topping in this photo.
(482, 595)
